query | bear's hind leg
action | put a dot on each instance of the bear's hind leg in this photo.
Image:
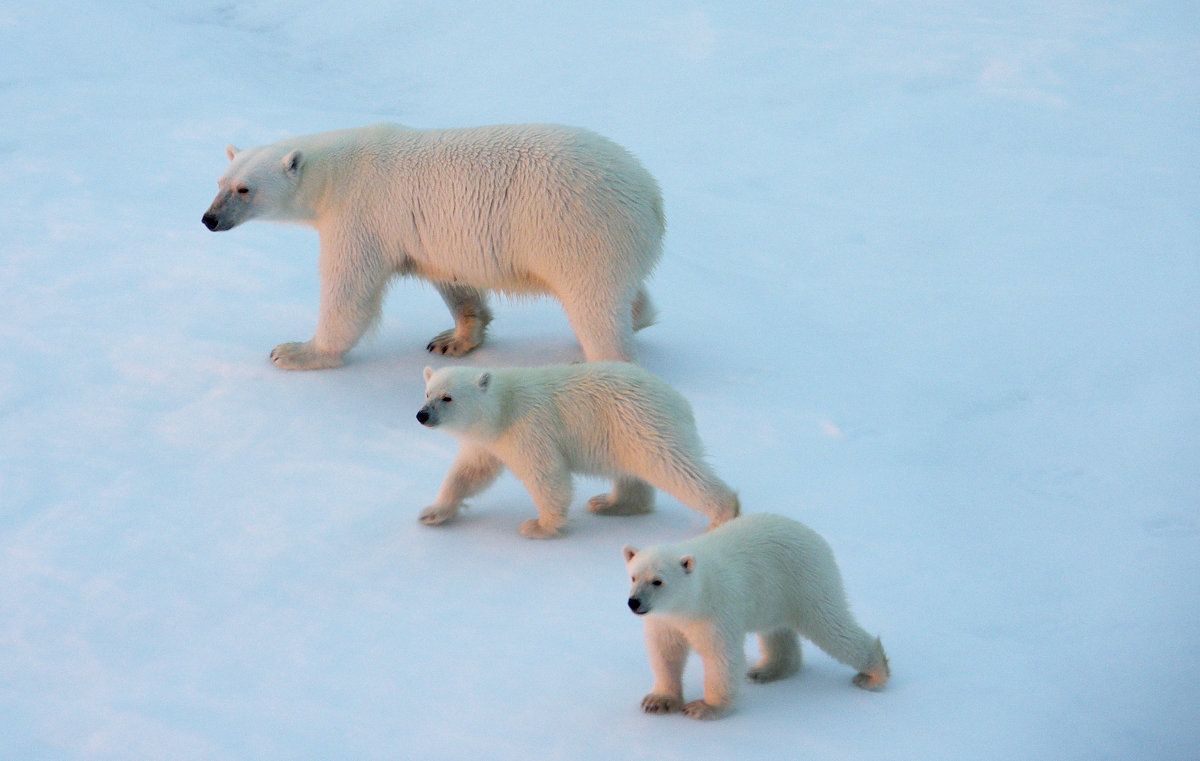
(832, 628)
(877, 671)
(471, 318)
(630, 496)
(692, 482)
(603, 324)
(780, 656)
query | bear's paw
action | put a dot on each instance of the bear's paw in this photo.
(655, 703)
(436, 515)
(873, 682)
(302, 356)
(450, 344)
(698, 709)
(533, 529)
(604, 504)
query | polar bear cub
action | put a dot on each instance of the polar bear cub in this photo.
(518, 209)
(609, 419)
(764, 574)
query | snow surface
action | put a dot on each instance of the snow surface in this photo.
(931, 283)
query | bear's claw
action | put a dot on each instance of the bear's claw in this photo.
(450, 344)
(654, 703)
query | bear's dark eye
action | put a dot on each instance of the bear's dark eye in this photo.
(656, 583)
(446, 398)
(243, 190)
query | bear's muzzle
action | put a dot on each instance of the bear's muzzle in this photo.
(426, 417)
(635, 604)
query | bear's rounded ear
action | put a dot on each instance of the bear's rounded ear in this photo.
(483, 380)
(428, 373)
(231, 151)
(628, 552)
(688, 562)
(291, 162)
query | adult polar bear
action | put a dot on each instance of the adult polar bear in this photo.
(521, 209)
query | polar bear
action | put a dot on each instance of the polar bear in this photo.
(610, 419)
(519, 209)
(759, 573)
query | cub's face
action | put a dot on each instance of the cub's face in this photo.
(259, 182)
(455, 398)
(659, 583)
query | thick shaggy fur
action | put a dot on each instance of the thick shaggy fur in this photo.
(762, 574)
(609, 419)
(526, 209)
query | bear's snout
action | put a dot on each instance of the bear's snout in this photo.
(635, 604)
(425, 417)
(210, 220)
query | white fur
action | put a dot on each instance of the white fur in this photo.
(762, 574)
(609, 419)
(528, 209)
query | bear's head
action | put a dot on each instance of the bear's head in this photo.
(456, 399)
(259, 182)
(662, 581)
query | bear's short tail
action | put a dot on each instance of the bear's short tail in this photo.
(644, 313)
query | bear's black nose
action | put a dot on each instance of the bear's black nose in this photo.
(423, 416)
(210, 221)
(634, 604)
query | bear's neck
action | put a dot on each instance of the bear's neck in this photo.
(499, 416)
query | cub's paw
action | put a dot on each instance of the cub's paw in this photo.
(698, 709)
(604, 504)
(302, 356)
(877, 672)
(449, 343)
(435, 515)
(770, 673)
(874, 681)
(532, 529)
(655, 703)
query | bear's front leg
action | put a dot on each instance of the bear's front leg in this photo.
(548, 481)
(473, 470)
(724, 659)
(668, 651)
(352, 283)
(304, 356)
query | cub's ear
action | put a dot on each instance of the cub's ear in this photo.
(688, 562)
(483, 380)
(428, 373)
(291, 162)
(231, 151)
(629, 552)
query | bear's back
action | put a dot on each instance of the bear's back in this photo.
(768, 564)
